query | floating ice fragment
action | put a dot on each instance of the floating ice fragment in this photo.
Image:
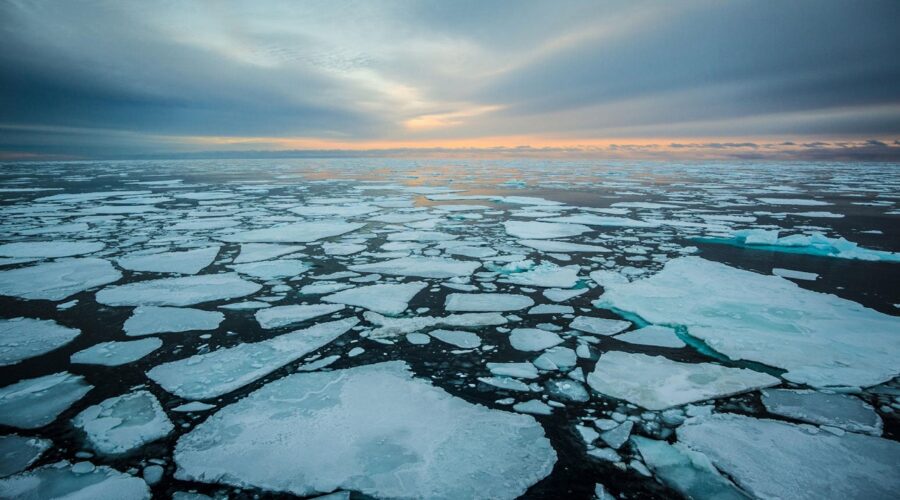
(254, 252)
(546, 275)
(687, 472)
(795, 275)
(562, 246)
(23, 338)
(57, 280)
(298, 232)
(272, 269)
(49, 249)
(82, 481)
(486, 302)
(390, 327)
(836, 410)
(122, 423)
(389, 299)
(186, 262)
(426, 267)
(116, 353)
(17, 453)
(534, 407)
(279, 316)
(183, 291)
(461, 339)
(516, 370)
(36, 402)
(533, 339)
(655, 335)
(599, 326)
(543, 230)
(148, 320)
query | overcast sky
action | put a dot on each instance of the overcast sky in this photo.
(101, 79)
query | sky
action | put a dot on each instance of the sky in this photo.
(796, 79)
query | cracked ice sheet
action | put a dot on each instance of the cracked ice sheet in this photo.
(182, 262)
(298, 232)
(57, 280)
(391, 327)
(219, 372)
(389, 299)
(773, 459)
(147, 320)
(822, 340)
(389, 435)
(23, 338)
(183, 291)
(657, 383)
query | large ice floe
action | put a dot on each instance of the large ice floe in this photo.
(378, 431)
(23, 338)
(657, 383)
(80, 481)
(57, 280)
(814, 244)
(183, 262)
(773, 459)
(123, 423)
(183, 291)
(298, 232)
(425, 267)
(820, 339)
(389, 298)
(219, 372)
(35, 402)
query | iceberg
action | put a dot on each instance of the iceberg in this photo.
(657, 383)
(389, 299)
(219, 372)
(23, 338)
(148, 320)
(34, 403)
(822, 340)
(120, 424)
(183, 291)
(387, 433)
(57, 280)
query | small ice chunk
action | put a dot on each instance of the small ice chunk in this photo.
(599, 326)
(533, 339)
(389, 299)
(562, 246)
(186, 262)
(426, 267)
(342, 248)
(205, 376)
(276, 317)
(551, 309)
(836, 410)
(81, 481)
(193, 406)
(323, 288)
(183, 291)
(534, 407)
(486, 302)
(616, 437)
(655, 335)
(391, 327)
(556, 359)
(57, 280)
(794, 201)
(506, 383)
(148, 320)
(418, 338)
(254, 252)
(567, 390)
(36, 402)
(122, 423)
(561, 295)
(116, 353)
(657, 383)
(379, 424)
(516, 370)
(796, 275)
(23, 338)
(461, 339)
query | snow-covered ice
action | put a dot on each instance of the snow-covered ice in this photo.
(23, 338)
(180, 262)
(486, 302)
(389, 299)
(148, 320)
(657, 383)
(57, 280)
(387, 433)
(276, 317)
(183, 291)
(122, 423)
(425, 267)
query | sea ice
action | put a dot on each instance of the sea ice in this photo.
(387, 433)
(391, 327)
(183, 291)
(657, 383)
(184, 262)
(546, 275)
(389, 299)
(562, 246)
(561, 295)
(205, 376)
(822, 340)
(542, 230)
(772, 459)
(425, 267)
(276, 317)
(685, 471)
(795, 275)
(36, 402)
(794, 201)
(17, 453)
(461, 339)
(599, 220)
(517, 370)
(298, 232)
(272, 269)
(122, 423)
(486, 302)
(814, 244)
(253, 252)
(49, 249)
(835, 410)
(599, 326)
(116, 353)
(556, 359)
(655, 335)
(81, 481)
(23, 338)
(147, 320)
(57, 280)
(533, 339)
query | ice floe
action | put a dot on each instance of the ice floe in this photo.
(389, 299)
(219, 372)
(183, 262)
(391, 327)
(272, 269)
(425, 267)
(148, 320)
(531, 230)
(686, 471)
(279, 316)
(253, 252)
(298, 232)
(17, 453)
(533, 339)
(57, 280)
(562, 246)
(822, 340)
(122, 423)
(546, 275)
(657, 383)
(835, 410)
(388, 435)
(459, 338)
(81, 481)
(486, 302)
(23, 338)
(599, 326)
(35, 402)
(49, 249)
(116, 353)
(182, 291)
(655, 335)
